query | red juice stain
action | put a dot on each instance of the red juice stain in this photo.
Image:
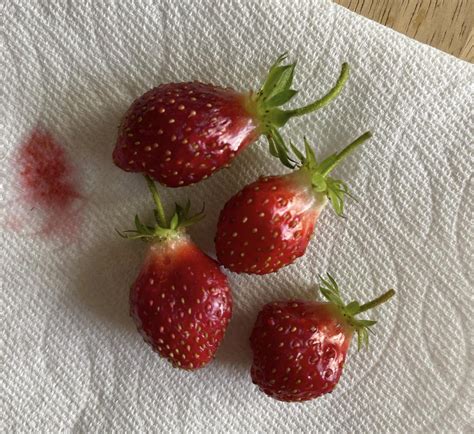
(47, 181)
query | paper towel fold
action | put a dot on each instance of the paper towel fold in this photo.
(71, 358)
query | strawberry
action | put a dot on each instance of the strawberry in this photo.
(180, 301)
(299, 346)
(269, 223)
(181, 133)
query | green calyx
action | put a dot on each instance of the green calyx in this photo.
(277, 91)
(322, 183)
(163, 228)
(330, 291)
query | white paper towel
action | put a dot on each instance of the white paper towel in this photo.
(71, 358)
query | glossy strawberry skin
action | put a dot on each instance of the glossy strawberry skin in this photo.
(268, 224)
(181, 303)
(181, 133)
(299, 348)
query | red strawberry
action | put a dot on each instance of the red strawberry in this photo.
(299, 346)
(269, 223)
(181, 301)
(180, 133)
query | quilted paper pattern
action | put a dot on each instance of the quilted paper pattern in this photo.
(71, 358)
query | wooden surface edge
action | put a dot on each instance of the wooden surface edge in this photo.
(444, 24)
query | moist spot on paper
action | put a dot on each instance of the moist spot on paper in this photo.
(47, 183)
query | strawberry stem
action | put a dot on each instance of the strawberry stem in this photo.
(161, 216)
(345, 152)
(275, 92)
(379, 300)
(333, 93)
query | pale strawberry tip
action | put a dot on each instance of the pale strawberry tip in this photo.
(322, 184)
(330, 290)
(164, 228)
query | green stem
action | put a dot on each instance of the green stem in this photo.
(379, 300)
(333, 93)
(156, 198)
(346, 151)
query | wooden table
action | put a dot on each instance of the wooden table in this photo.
(444, 24)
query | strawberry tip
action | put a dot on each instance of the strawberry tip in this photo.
(334, 189)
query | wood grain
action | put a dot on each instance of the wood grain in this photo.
(444, 24)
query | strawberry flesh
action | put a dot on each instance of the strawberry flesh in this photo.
(268, 224)
(299, 348)
(181, 133)
(181, 302)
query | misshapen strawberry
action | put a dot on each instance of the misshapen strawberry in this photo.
(269, 223)
(180, 133)
(299, 347)
(181, 301)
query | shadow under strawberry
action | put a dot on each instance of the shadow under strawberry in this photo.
(234, 350)
(101, 285)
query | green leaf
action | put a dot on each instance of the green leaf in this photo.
(192, 220)
(310, 159)
(272, 146)
(281, 58)
(277, 80)
(297, 152)
(337, 201)
(162, 230)
(319, 182)
(273, 74)
(123, 233)
(137, 221)
(366, 322)
(362, 338)
(329, 295)
(342, 185)
(287, 79)
(281, 98)
(282, 83)
(182, 211)
(141, 228)
(326, 282)
(186, 221)
(174, 221)
(349, 194)
(134, 235)
(334, 284)
(280, 143)
(281, 149)
(340, 189)
(330, 290)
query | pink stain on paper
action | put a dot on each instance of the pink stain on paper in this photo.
(48, 186)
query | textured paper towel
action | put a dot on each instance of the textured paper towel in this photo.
(71, 358)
